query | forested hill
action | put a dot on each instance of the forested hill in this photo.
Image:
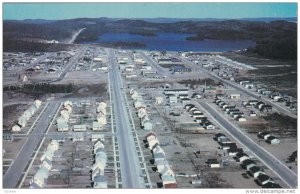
(275, 39)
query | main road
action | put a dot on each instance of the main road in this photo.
(268, 159)
(242, 89)
(14, 172)
(131, 173)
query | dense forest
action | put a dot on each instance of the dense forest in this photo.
(275, 39)
(41, 88)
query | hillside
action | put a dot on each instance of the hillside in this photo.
(275, 39)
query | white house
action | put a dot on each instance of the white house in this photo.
(102, 120)
(100, 182)
(97, 126)
(62, 126)
(79, 127)
(16, 128)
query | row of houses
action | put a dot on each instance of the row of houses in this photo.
(97, 171)
(271, 139)
(42, 174)
(101, 116)
(140, 106)
(199, 117)
(162, 165)
(22, 120)
(276, 96)
(62, 120)
(258, 105)
(246, 161)
(230, 109)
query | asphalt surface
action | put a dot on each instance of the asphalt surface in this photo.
(130, 168)
(13, 174)
(268, 159)
(244, 90)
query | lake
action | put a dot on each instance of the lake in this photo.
(175, 42)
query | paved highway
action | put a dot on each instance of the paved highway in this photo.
(268, 159)
(13, 174)
(244, 90)
(130, 168)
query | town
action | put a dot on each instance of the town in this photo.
(97, 117)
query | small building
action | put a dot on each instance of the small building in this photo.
(263, 135)
(98, 145)
(79, 127)
(62, 126)
(40, 176)
(241, 156)
(100, 182)
(167, 179)
(213, 163)
(247, 164)
(172, 99)
(235, 96)
(255, 171)
(7, 135)
(97, 136)
(147, 125)
(159, 100)
(78, 137)
(16, 128)
(97, 126)
(264, 179)
(272, 140)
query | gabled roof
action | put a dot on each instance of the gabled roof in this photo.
(255, 169)
(263, 177)
(241, 154)
(248, 161)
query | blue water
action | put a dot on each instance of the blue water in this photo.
(175, 42)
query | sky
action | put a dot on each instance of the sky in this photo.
(20, 11)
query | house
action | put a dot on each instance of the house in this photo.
(255, 171)
(263, 135)
(37, 103)
(176, 91)
(170, 185)
(22, 121)
(97, 136)
(247, 164)
(16, 128)
(272, 140)
(147, 125)
(158, 156)
(240, 118)
(152, 143)
(79, 127)
(264, 179)
(213, 163)
(40, 176)
(142, 112)
(224, 139)
(166, 171)
(7, 135)
(62, 126)
(235, 96)
(241, 156)
(167, 179)
(101, 120)
(271, 185)
(97, 126)
(78, 136)
(232, 151)
(218, 135)
(208, 125)
(172, 99)
(159, 100)
(98, 145)
(226, 146)
(100, 182)
(47, 164)
(61, 119)
(138, 104)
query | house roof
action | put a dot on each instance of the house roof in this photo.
(271, 185)
(263, 177)
(248, 161)
(255, 169)
(170, 185)
(241, 154)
